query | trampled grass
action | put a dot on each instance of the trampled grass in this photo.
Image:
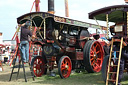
(74, 79)
(82, 78)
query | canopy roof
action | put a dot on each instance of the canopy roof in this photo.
(38, 16)
(116, 13)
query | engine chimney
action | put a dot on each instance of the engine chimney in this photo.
(51, 6)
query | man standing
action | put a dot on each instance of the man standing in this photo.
(24, 41)
(124, 56)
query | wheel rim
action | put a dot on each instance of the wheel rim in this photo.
(39, 67)
(66, 67)
(96, 56)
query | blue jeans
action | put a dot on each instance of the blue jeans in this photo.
(24, 50)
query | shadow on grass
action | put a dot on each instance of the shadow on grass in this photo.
(82, 78)
(5, 75)
(77, 79)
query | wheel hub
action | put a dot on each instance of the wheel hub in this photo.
(66, 66)
(94, 56)
(38, 66)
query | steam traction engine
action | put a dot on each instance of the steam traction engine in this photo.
(117, 14)
(65, 44)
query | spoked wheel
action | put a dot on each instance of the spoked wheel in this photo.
(93, 56)
(38, 66)
(105, 69)
(64, 67)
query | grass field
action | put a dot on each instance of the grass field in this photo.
(82, 78)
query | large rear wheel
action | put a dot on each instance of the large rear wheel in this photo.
(64, 67)
(38, 65)
(93, 56)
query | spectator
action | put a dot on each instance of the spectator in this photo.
(124, 56)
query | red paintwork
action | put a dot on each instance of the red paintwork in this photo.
(50, 41)
(96, 62)
(79, 56)
(39, 67)
(66, 71)
(101, 42)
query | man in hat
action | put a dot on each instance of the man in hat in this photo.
(24, 41)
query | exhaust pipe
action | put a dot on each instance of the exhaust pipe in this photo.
(51, 6)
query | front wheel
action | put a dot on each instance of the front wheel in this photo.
(64, 67)
(38, 65)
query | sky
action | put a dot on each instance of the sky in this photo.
(10, 10)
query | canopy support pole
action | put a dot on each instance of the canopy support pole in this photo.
(107, 26)
(127, 24)
(44, 30)
(99, 27)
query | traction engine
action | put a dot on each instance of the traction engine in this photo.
(64, 43)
